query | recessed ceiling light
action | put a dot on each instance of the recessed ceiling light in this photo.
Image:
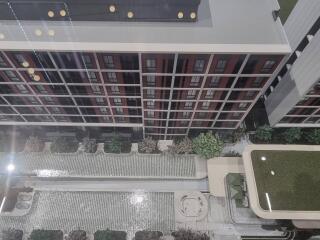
(180, 15)
(36, 78)
(112, 8)
(130, 14)
(63, 13)
(25, 64)
(2, 36)
(51, 32)
(193, 15)
(51, 14)
(31, 70)
(38, 32)
(272, 173)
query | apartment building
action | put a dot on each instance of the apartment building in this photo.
(165, 78)
(293, 99)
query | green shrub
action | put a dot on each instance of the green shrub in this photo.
(46, 235)
(238, 134)
(148, 145)
(182, 147)
(292, 135)
(264, 133)
(64, 145)
(313, 136)
(77, 235)
(148, 235)
(110, 235)
(12, 234)
(207, 145)
(187, 234)
(117, 146)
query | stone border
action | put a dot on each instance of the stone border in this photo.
(252, 186)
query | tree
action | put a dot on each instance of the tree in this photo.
(207, 145)
(313, 136)
(292, 135)
(264, 133)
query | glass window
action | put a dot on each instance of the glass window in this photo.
(103, 110)
(215, 81)
(195, 80)
(199, 65)
(151, 64)
(22, 88)
(257, 82)
(186, 114)
(96, 89)
(41, 89)
(151, 81)
(108, 60)
(188, 105)
(205, 105)
(209, 94)
(268, 66)
(56, 110)
(2, 62)
(100, 100)
(150, 104)
(151, 93)
(12, 76)
(119, 111)
(150, 114)
(92, 77)
(191, 94)
(243, 105)
(221, 65)
(49, 100)
(115, 89)
(112, 77)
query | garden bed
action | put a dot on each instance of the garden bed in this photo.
(46, 235)
(110, 235)
(148, 235)
(12, 234)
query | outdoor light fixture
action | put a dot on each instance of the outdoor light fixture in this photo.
(2, 36)
(272, 173)
(112, 8)
(63, 13)
(51, 14)
(38, 32)
(130, 14)
(51, 32)
(36, 78)
(263, 158)
(193, 15)
(31, 71)
(11, 167)
(137, 198)
(180, 15)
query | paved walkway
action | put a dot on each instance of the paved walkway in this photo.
(97, 210)
(79, 164)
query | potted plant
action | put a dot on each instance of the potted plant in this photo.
(148, 145)
(46, 234)
(89, 145)
(12, 234)
(77, 235)
(110, 235)
(34, 144)
(64, 145)
(207, 145)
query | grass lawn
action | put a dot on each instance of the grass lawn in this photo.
(286, 7)
(295, 184)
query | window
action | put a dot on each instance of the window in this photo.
(188, 105)
(49, 100)
(150, 104)
(215, 82)
(96, 89)
(150, 114)
(56, 110)
(119, 111)
(22, 88)
(117, 101)
(92, 77)
(112, 77)
(108, 60)
(268, 66)
(221, 65)
(151, 81)
(19, 58)
(115, 89)
(103, 110)
(149, 122)
(250, 95)
(100, 100)
(2, 62)
(41, 89)
(38, 109)
(199, 65)
(209, 94)
(12, 76)
(151, 64)
(150, 93)
(186, 114)
(205, 105)
(183, 123)
(202, 114)
(191, 94)
(236, 114)
(195, 80)
(87, 61)
(243, 105)
(257, 82)
(105, 119)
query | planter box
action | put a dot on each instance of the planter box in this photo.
(110, 235)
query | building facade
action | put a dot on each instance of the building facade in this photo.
(167, 79)
(293, 99)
